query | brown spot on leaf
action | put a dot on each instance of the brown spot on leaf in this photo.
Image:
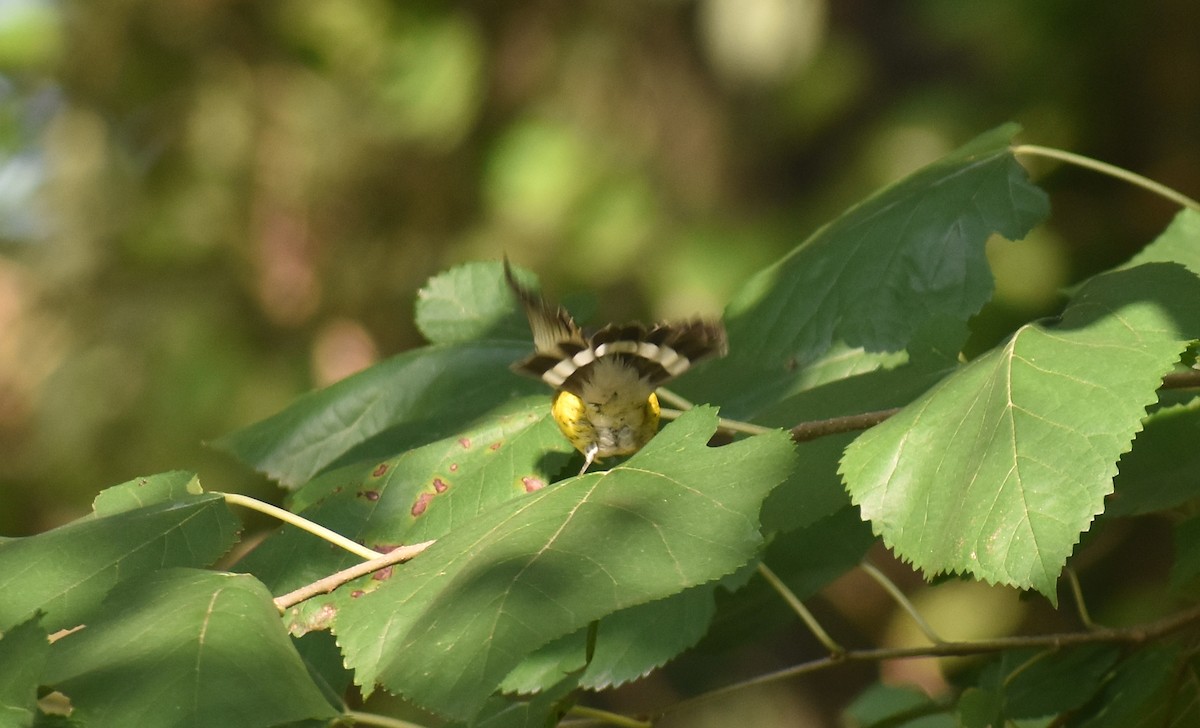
(421, 504)
(531, 483)
(465, 442)
(318, 620)
(454, 467)
(440, 485)
(371, 495)
(356, 593)
(495, 445)
(383, 574)
(379, 470)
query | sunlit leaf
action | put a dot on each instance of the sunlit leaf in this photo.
(1179, 243)
(146, 491)
(185, 647)
(469, 609)
(816, 490)
(997, 470)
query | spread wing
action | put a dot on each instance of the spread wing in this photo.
(565, 359)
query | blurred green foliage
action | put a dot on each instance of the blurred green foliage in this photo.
(207, 208)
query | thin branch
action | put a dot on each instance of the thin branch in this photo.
(382, 721)
(333, 581)
(898, 596)
(814, 429)
(302, 523)
(605, 716)
(1137, 634)
(802, 611)
(1111, 170)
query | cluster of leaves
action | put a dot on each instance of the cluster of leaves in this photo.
(539, 586)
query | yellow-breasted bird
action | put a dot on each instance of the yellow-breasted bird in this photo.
(604, 399)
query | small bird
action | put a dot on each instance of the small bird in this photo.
(604, 400)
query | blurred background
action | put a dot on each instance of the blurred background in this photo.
(209, 207)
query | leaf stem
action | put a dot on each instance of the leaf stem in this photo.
(383, 721)
(302, 523)
(1112, 170)
(333, 581)
(1137, 634)
(903, 601)
(798, 607)
(748, 428)
(673, 399)
(1077, 594)
(617, 719)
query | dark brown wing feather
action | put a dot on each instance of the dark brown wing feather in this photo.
(557, 339)
(555, 334)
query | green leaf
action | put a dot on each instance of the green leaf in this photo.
(23, 652)
(65, 572)
(629, 645)
(469, 609)
(420, 495)
(817, 491)
(470, 302)
(997, 470)
(809, 559)
(1160, 471)
(896, 705)
(980, 708)
(1186, 566)
(635, 641)
(1179, 243)
(146, 491)
(543, 710)
(1163, 468)
(408, 400)
(550, 664)
(1140, 693)
(911, 253)
(321, 656)
(806, 560)
(185, 647)
(1054, 681)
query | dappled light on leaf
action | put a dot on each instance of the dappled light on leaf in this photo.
(997, 470)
